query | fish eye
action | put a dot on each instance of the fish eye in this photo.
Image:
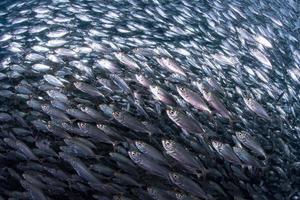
(82, 124)
(181, 88)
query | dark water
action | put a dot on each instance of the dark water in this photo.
(221, 79)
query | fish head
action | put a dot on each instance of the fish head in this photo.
(172, 112)
(169, 145)
(247, 100)
(82, 125)
(82, 108)
(160, 60)
(181, 90)
(45, 107)
(78, 84)
(175, 177)
(135, 156)
(241, 136)
(119, 55)
(140, 145)
(216, 144)
(167, 61)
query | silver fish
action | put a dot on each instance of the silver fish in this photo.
(193, 98)
(255, 107)
(151, 152)
(129, 121)
(184, 121)
(226, 152)
(187, 185)
(161, 95)
(148, 164)
(247, 140)
(171, 65)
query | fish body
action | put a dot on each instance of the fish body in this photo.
(129, 121)
(171, 65)
(226, 152)
(247, 140)
(193, 98)
(148, 164)
(184, 121)
(255, 107)
(161, 95)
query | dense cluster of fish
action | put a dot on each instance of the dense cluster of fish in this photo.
(149, 99)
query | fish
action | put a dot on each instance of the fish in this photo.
(149, 99)
(56, 113)
(148, 164)
(215, 102)
(226, 152)
(255, 107)
(261, 58)
(80, 168)
(109, 65)
(129, 121)
(78, 114)
(248, 141)
(193, 98)
(53, 80)
(182, 155)
(157, 193)
(187, 185)
(171, 65)
(245, 157)
(120, 83)
(184, 121)
(94, 132)
(127, 61)
(151, 152)
(161, 95)
(88, 89)
(34, 191)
